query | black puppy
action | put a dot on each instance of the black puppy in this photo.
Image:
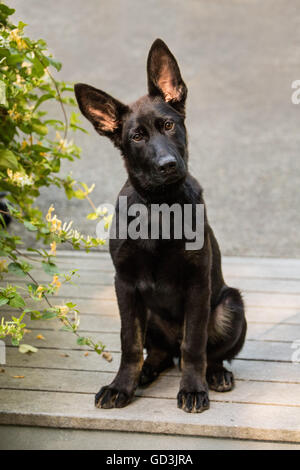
(172, 301)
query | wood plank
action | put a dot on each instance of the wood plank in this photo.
(98, 308)
(67, 340)
(103, 272)
(278, 271)
(290, 286)
(258, 350)
(277, 300)
(62, 359)
(262, 330)
(75, 410)
(273, 332)
(107, 292)
(95, 277)
(95, 255)
(258, 261)
(267, 351)
(266, 371)
(89, 264)
(76, 360)
(273, 314)
(94, 323)
(100, 253)
(104, 281)
(165, 386)
(86, 306)
(32, 438)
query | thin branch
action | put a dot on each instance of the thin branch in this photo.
(26, 256)
(61, 104)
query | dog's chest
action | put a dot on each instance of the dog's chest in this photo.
(161, 286)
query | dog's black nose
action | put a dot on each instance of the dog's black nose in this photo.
(167, 164)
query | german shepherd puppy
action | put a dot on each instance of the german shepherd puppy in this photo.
(172, 301)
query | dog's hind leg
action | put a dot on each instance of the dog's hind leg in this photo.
(156, 362)
(226, 336)
(160, 344)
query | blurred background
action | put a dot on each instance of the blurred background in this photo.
(238, 59)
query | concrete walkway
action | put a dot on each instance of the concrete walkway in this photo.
(238, 59)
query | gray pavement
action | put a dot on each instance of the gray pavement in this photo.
(238, 59)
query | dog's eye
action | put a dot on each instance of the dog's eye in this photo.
(137, 137)
(169, 125)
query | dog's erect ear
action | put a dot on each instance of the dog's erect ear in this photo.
(164, 76)
(104, 112)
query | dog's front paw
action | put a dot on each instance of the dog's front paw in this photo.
(111, 397)
(193, 402)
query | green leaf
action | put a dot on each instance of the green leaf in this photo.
(8, 159)
(70, 304)
(67, 328)
(3, 301)
(16, 302)
(6, 10)
(40, 128)
(29, 226)
(35, 315)
(21, 25)
(16, 268)
(50, 268)
(47, 96)
(48, 315)
(81, 341)
(55, 63)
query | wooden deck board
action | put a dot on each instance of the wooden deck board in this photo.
(260, 330)
(60, 380)
(159, 415)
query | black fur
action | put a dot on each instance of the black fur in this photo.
(172, 301)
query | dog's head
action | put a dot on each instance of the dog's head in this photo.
(150, 132)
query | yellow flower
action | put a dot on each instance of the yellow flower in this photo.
(55, 282)
(49, 216)
(55, 225)
(55, 222)
(53, 248)
(21, 179)
(15, 36)
(40, 291)
(3, 267)
(63, 309)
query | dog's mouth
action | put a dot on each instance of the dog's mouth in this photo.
(174, 178)
(173, 175)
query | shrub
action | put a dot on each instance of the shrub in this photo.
(31, 150)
